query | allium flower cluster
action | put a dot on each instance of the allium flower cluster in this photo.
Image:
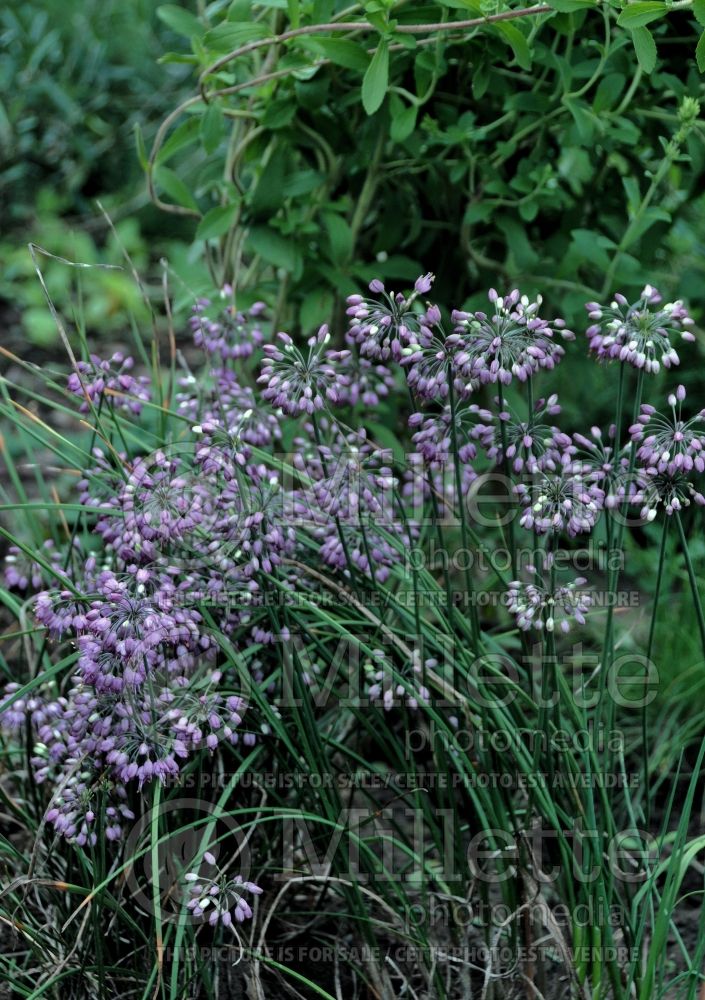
(96, 378)
(543, 603)
(382, 328)
(512, 342)
(220, 899)
(639, 333)
(561, 496)
(298, 382)
(670, 451)
(527, 441)
(231, 333)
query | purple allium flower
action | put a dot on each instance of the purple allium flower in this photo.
(385, 685)
(543, 603)
(97, 378)
(432, 437)
(219, 900)
(300, 383)
(382, 328)
(429, 360)
(560, 499)
(368, 382)
(670, 444)
(514, 342)
(640, 333)
(527, 440)
(223, 408)
(657, 489)
(232, 333)
(22, 572)
(605, 466)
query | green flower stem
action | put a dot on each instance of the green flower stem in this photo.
(474, 619)
(649, 649)
(507, 476)
(613, 573)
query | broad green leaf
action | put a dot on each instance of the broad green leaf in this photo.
(232, 35)
(172, 185)
(699, 11)
(316, 309)
(279, 113)
(608, 92)
(700, 53)
(403, 123)
(240, 10)
(636, 15)
(293, 6)
(650, 217)
(519, 44)
(568, 6)
(212, 128)
(474, 6)
(645, 48)
(216, 222)
(184, 135)
(274, 248)
(183, 22)
(340, 236)
(302, 182)
(340, 51)
(589, 248)
(584, 121)
(268, 194)
(376, 79)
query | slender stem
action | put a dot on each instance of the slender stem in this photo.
(613, 573)
(649, 649)
(474, 621)
(697, 603)
(508, 478)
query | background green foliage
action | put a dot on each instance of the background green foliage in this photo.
(75, 80)
(537, 151)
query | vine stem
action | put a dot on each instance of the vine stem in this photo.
(343, 26)
(697, 603)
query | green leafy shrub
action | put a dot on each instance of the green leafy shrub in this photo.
(559, 150)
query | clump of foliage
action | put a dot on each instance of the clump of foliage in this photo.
(244, 582)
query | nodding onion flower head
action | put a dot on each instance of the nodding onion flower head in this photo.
(94, 379)
(544, 604)
(639, 333)
(433, 433)
(670, 444)
(603, 464)
(219, 899)
(233, 333)
(368, 381)
(298, 382)
(429, 358)
(382, 328)
(670, 451)
(512, 342)
(527, 441)
(561, 496)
